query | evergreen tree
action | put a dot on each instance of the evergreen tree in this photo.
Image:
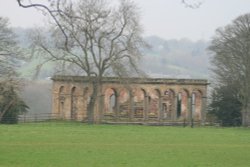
(225, 106)
(11, 105)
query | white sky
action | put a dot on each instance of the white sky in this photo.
(165, 18)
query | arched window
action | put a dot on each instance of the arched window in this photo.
(182, 104)
(164, 109)
(112, 103)
(168, 100)
(154, 103)
(61, 90)
(110, 100)
(123, 100)
(179, 102)
(139, 102)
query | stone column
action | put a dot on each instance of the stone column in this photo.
(146, 108)
(203, 110)
(176, 106)
(101, 106)
(60, 102)
(67, 107)
(189, 109)
(98, 110)
(132, 108)
(117, 109)
(160, 115)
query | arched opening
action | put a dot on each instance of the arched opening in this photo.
(165, 109)
(73, 113)
(182, 104)
(61, 90)
(196, 104)
(110, 101)
(179, 102)
(139, 102)
(123, 103)
(168, 104)
(154, 103)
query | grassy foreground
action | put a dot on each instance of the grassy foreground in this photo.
(75, 144)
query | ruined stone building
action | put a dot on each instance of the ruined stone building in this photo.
(136, 99)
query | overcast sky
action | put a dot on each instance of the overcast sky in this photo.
(168, 19)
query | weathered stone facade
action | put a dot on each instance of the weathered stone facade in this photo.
(135, 99)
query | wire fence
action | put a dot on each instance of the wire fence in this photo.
(43, 117)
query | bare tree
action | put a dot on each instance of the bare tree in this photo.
(8, 52)
(96, 38)
(10, 56)
(93, 37)
(231, 61)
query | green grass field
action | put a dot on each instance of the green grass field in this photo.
(75, 144)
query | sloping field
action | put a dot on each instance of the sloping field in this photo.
(75, 144)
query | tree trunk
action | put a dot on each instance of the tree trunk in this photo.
(6, 108)
(93, 100)
(91, 105)
(245, 116)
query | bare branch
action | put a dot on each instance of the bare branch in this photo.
(51, 12)
(193, 5)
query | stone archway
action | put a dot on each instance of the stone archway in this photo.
(124, 104)
(168, 104)
(110, 101)
(139, 102)
(154, 103)
(182, 104)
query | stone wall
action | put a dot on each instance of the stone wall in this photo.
(133, 99)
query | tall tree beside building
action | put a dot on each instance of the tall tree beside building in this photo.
(231, 60)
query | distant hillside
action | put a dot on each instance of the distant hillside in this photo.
(176, 58)
(166, 58)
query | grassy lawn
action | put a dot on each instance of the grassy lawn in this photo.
(75, 144)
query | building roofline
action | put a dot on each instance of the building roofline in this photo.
(132, 80)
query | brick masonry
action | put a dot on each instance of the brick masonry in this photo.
(131, 99)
